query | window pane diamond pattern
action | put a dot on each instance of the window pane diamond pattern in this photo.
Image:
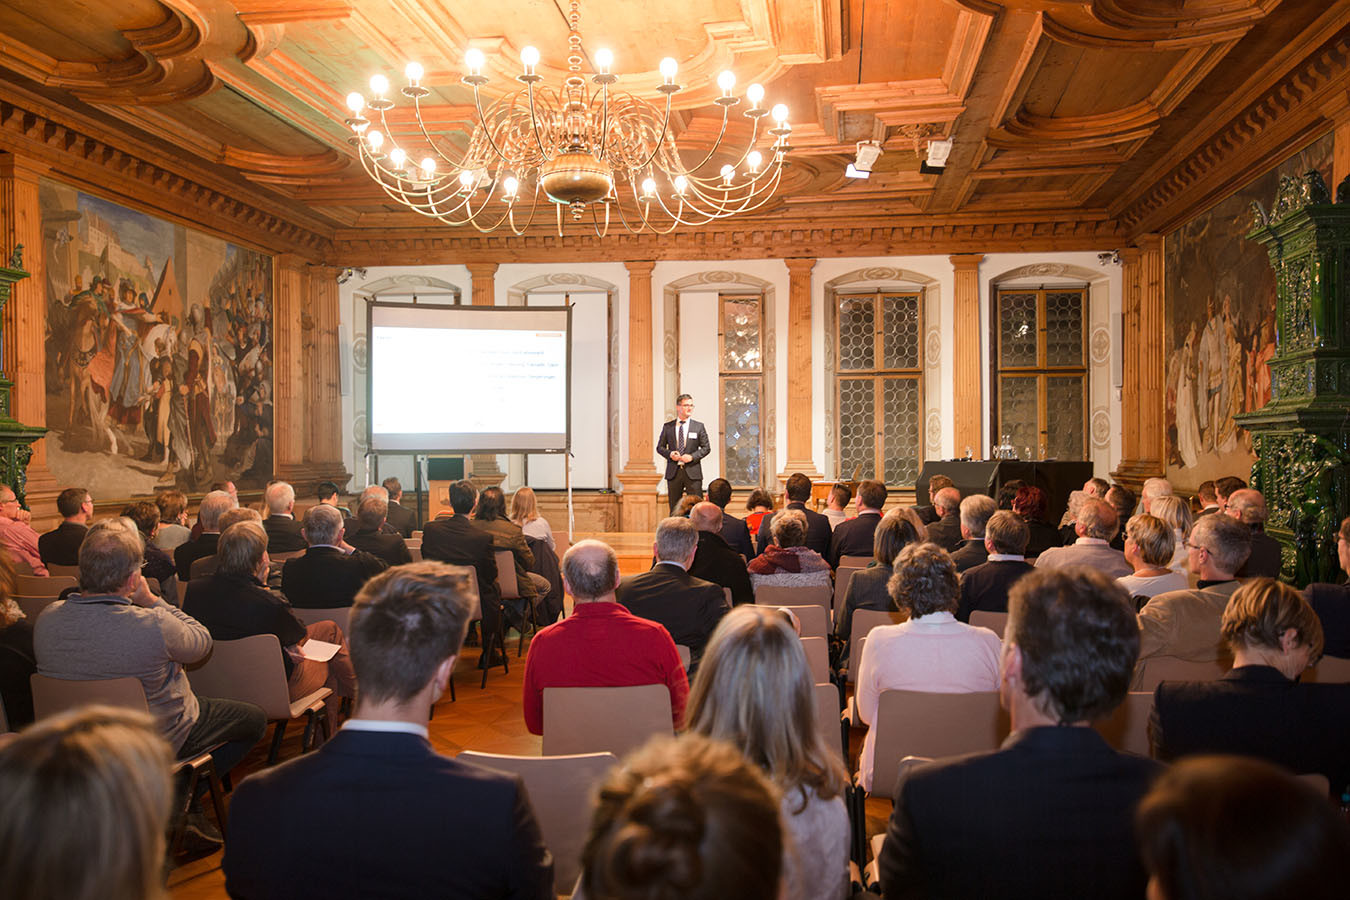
(857, 333)
(857, 427)
(1064, 408)
(1017, 329)
(1064, 329)
(1017, 411)
(740, 335)
(740, 430)
(900, 331)
(900, 408)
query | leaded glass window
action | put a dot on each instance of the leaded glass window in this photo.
(878, 386)
(740, 333)
(1041, 372)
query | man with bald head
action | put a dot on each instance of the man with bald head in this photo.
(668, 593)
(601, 644)
(946, 531)
(716, 560)
(1096, 525)
(1248, 506)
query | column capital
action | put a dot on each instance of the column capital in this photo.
(798, 264)
(966, 261)
(291, 261)
(1149, 241)
(639, 267)
(22, 168)
(482, 269)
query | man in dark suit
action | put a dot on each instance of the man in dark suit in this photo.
(714, 560)
(331, 572)
(986, 586)
(1209, 500)
(946, 531)
(369, 536)
(688, 607)
(854, 537)
(734, 530)
(351, 526)
(375, 810)
(213, 507)
(929, 514)
(683, 444)
(456, 540)
(1248, 506)
(61, 545)
(400, 518)
(975, 512)
(283, 532)
(1051, 813)
(798, 491)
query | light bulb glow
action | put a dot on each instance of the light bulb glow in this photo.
(428, 167)
(356, 103)
(755, 94)
(681, 184)
(474, 60)
(648, 185)
(397, 157)
(728, 173)
(668, 69)
(753, 159)
(379, 85)
(780, 113)
(414, 72)
(376, 140)
(510, 185)
(530, 57)
(726, 81)
(465, 179)
(604, 58)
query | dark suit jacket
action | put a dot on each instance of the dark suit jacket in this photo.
(388, 547)
(1256, 711)
(61, 545)
(696, 446)
(927, 514)
(986, 586)
(1050, 815)
(401, 519)
(970, 554)
(1043, 537)
(737, 535)
(325, 577)
(384, 816)
(232, 607)
(818, 531)
(456, 540)
(188, 552)
(689, 607)
(853, 537)
(866, 590)
(283, 534)
(717, 562)
(946, 532)
(1264, 560)
(1331, 602)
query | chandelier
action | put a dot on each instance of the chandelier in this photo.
(590, 149)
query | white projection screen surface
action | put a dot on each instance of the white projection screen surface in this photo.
(469, 378)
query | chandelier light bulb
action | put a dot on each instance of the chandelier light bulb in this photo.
(465, 179)
(474, 60)
(510, 184)
(728, 173)
(755, 94)
(726, 81)
(529, 56)
(376, 141)
(753, 159)
(604, 58)
(681, 184)
(356, 103)
(414, 72)
(648, 186)
(428, 167)
(668, 69)
(397, 157)
(780, 113)
(379, 85)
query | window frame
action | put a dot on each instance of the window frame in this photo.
(757, 374)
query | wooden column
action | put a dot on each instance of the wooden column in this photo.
(25, 352)
(1143, 395)
(638, 504)
(968, 396)
(325, 402)
(289, 419)
(486, 473)
(799, 372)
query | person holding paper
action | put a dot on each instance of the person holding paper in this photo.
(232, 603)
(683, 443)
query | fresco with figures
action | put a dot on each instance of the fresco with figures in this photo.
(1220, 331)
(158, 354)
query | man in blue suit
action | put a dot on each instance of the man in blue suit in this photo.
(376, 812)
(683, 444)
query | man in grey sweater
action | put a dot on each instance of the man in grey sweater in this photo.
(116, 628)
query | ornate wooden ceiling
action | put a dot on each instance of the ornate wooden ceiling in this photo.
(1074, 123)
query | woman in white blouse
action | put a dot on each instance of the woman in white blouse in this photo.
(1149, 546)
(525, 513)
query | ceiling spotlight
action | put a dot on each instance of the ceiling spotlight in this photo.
(867, 155)
(938, 151)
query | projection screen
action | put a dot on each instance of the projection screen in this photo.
(469, 378)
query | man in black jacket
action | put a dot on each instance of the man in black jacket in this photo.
(734, 530)
(715, 560)
(798, 491)
(854, 537)
(975, 512)
(213, 507)
(985, 587)
(688, 607)
(456, 540)
(331, 571)
(683, 444)
(401, 519)
(372, 538)
(61, 545)
(1248, 506)
(946, 531)
(283, 532)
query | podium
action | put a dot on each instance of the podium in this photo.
(1057, 478)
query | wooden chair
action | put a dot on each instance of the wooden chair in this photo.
(864, 620)
(63, 571)
(415, 553)
(686, 655)
(994, 621)
(842, 576)
(43, 586)
(202, 567)
(33, 606)
(250, 669)
(831, 726)
(54, 695)
(417, 536)
(774, 595)
(911, 723)
(817, 651)
(1156, 669)
(604, 719)
(560, 789)
(815, 621)
(339, 614)
(1329, 670)
(1126, 728)
(509, 588)
(857, 562)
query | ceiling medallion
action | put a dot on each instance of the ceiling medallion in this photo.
(587, 148)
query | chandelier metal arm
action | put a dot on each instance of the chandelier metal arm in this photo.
(534, 122)
(665, 128)
(487, 132)
(604, 126)
(422, 126)
(716, 145)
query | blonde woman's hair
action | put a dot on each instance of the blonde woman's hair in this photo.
(524, 506)
(1259, 613)
(1175, 512)
(1153, 537)
(87, 798)
(754, 690)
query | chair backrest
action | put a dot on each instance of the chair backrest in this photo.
(777, 595)
(827, 718)
(857, 562)
(1329, 670)
(818, 658)
(417, 535)
(248, 669)
(686, 656)
(33, 606)
(1126, 728)
(339, 614)
(604, 719)
(911, 723)
(284, 555)
(1157, 669)
(726, 597)
(43, 585)
(842, 576)
(202, 567)
(994, 621)
(54, 695)
(65, 571)
(560, 789)
(864, 620)
(815, 621)
(506, 574)
(415, 553)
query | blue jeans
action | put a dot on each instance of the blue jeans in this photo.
(240, 725)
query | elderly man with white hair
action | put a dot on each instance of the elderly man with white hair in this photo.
(1248, 506)
(1154, 489)
(689, 607)
(283, 532)
(975, 512)
(214, 505)
(331, 572)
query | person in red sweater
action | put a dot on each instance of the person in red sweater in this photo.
(601, 644)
